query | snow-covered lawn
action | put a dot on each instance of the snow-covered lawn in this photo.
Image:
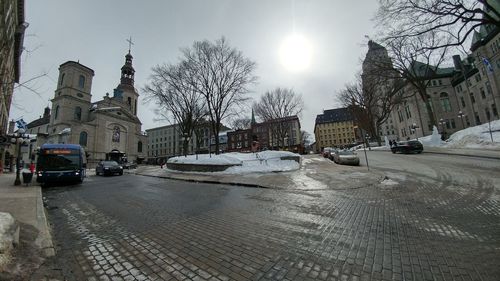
(265, 161)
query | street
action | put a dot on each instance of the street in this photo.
(437, 219)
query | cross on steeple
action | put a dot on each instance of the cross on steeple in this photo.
(129, 44)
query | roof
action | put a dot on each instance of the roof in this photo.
(423, 70)
(334, 115)
(79, 64)
(39, 122)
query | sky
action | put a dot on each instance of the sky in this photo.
(332, 34)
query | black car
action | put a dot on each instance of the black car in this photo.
(408, 147)
(106, 168)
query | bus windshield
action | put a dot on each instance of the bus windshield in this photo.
(54, 162)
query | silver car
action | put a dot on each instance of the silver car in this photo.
(346, 157)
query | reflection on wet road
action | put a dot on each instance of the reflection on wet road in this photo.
(439, 219)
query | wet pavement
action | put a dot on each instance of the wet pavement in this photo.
(433, 218)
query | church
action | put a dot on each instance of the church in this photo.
(108, 129)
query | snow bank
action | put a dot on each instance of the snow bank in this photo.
(265, 161)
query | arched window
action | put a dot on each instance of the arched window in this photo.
(81, 81)
(83, 138)
(62, 78)
(445, 102)
(116, 134)
(139, 146)
(78, 113)
(56, 113)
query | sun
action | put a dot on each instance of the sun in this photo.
(296, 53)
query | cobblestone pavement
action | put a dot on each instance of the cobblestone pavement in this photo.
(436, 219)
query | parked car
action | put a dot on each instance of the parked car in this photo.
(412, 146)
(326, 152)
(346, 157)
(106, 168)
(332, 153)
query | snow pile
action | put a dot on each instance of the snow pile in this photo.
(389, 182)
(7, 237)
(265, 161)
(476, 137)
(472, 137)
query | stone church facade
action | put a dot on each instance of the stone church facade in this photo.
(108, 128)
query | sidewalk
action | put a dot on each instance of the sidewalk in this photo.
(25, 204)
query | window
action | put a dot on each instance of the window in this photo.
(56, 113)
(62, 79)
(462, 100)
(483, 94)
(116, 135)
(408, 112)
(478, 120)
(472, 99)
(494, 109)
(81, 81)
(83, 138)
(445, 102)
(78, 113)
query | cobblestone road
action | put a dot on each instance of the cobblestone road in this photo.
(439, 220)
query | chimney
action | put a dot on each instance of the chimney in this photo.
(457, 62)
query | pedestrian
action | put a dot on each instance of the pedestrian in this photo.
(32, 167)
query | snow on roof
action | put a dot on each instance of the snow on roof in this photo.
(65, 131)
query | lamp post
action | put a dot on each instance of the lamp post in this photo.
(19, 139)
(443, 132)
(461, 115)
(414, 128)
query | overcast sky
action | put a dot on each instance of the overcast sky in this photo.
(94, 32)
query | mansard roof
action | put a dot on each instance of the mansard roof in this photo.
(334, 115)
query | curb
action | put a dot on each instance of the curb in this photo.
(44, 239)
(209, 181)
(447, 153)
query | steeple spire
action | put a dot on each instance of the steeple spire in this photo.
(127, 77)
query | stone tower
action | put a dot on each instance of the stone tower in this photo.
(72, 95)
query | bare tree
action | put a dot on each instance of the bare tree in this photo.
(222, 75)
(170, 87)
(458, 18)
(415, 60)
(274, 107)
(371, 100)
(241, 123)
(305, 138)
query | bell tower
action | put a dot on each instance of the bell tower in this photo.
(126, 91)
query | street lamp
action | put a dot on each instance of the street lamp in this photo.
(20, 139)
(414, 128)
(461, 115)
(442, 122)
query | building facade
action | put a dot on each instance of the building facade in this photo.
(280, 133)
(107, 129)
(335, 128)
(12, 27)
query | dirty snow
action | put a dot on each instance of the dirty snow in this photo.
(261, 162)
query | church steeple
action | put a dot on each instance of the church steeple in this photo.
(128, 71)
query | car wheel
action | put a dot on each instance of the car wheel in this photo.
(121, 173)
(393, 151)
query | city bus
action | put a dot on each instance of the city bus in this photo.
(60, 163)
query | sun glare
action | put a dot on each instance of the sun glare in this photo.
(295, 53)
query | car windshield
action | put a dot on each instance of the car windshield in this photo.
(109, 163)
(346, 152)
